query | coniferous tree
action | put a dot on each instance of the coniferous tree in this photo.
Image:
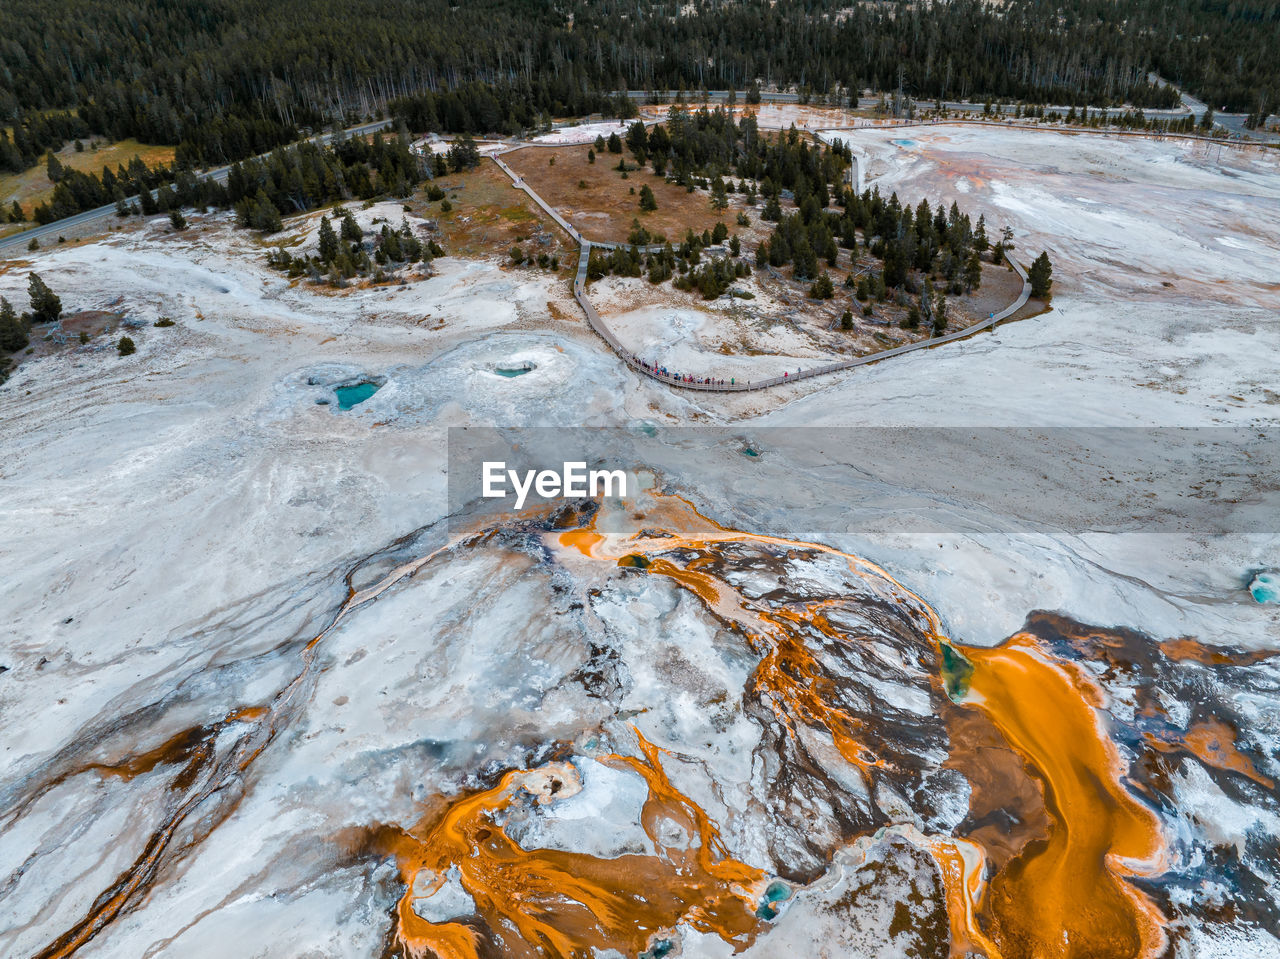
(1041, 277)
(13, 332)
(648, 202)
(46, 307)
(351, 231)
(638, 140)
(822, 288)
(328, 244)
(719, 194)
(464, 154)
(973, 272)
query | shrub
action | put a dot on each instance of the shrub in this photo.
(126, 346)
(445, 206)
(163, 322)
(13, 331)
(822, 288)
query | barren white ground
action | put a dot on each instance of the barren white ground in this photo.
(169, 521)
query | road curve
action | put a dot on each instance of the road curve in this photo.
(733, 386)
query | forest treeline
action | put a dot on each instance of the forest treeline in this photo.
(228, 79)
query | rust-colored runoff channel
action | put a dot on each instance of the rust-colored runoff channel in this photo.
(540, 902)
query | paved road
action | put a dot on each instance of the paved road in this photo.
(731, 385)
(867, 103)
(1233, 123)
(1230, 123)
(218, 175)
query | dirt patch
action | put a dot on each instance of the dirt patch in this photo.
(596, 199)
(488, 216)
(1000, 287)
(97, 327)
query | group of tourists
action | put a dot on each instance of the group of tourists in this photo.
(729, 384)
(662, 371)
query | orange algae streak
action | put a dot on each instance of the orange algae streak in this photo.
(961, 865)
(434, 940)
(790, 671)
(1213, 742)
(1185, 649)
(787, 669)
(727, 889)
(584, 540)
(1068, 896)
(548, 902)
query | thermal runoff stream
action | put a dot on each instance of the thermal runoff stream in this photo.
(863, 705)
